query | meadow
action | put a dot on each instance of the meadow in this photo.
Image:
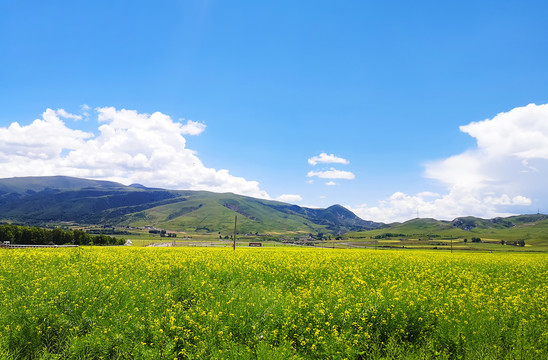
(273, 302)
(500, 234)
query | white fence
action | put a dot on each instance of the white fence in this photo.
(8, 245)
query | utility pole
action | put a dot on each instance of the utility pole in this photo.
(234, 243)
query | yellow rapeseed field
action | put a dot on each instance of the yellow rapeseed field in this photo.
(275, 303)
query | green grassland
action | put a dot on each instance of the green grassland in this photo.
(495, 235)
(208, 212)
(414, 234)
(142, 237)
(430, 233)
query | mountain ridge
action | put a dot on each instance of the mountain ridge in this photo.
(41, 200)
(55, 199)
(530, 229)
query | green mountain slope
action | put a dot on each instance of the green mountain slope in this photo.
(57, 199)
(215, 212)
(34, 184)
(533, 229)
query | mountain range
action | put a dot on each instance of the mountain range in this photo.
(530, 229)
(61, 199)
(55, 200)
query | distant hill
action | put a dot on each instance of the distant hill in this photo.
(33, 184)
(531, 228)
(467, 224)
(61, 199)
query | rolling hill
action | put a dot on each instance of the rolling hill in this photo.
(60, 199)
(533, 229)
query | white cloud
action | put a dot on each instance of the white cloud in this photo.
(330, 183)
(510, 158)
(43, 139)
(402, 207)
(289, 198)
(62, 113)
(521, 132)
(332, 174)
(327, 159)
(506, 171)
(85, 110)
(428, 194)
(130, 148)
(193, 128)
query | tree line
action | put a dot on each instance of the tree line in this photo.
(38, 236)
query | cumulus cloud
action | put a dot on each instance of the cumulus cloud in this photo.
(521, 133)
(130, 147)
(402, 207)
(193, 128)
(330, 183)
(507, 170)
(62, 113)
(327, 159)
(42, 140)
(332, 174)
(289, 198)
(510, 158)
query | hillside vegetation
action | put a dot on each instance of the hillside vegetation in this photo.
(494, 234)
(51, 200)
(64, 201)
(36, 236)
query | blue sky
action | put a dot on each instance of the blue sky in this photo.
(416, 106)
